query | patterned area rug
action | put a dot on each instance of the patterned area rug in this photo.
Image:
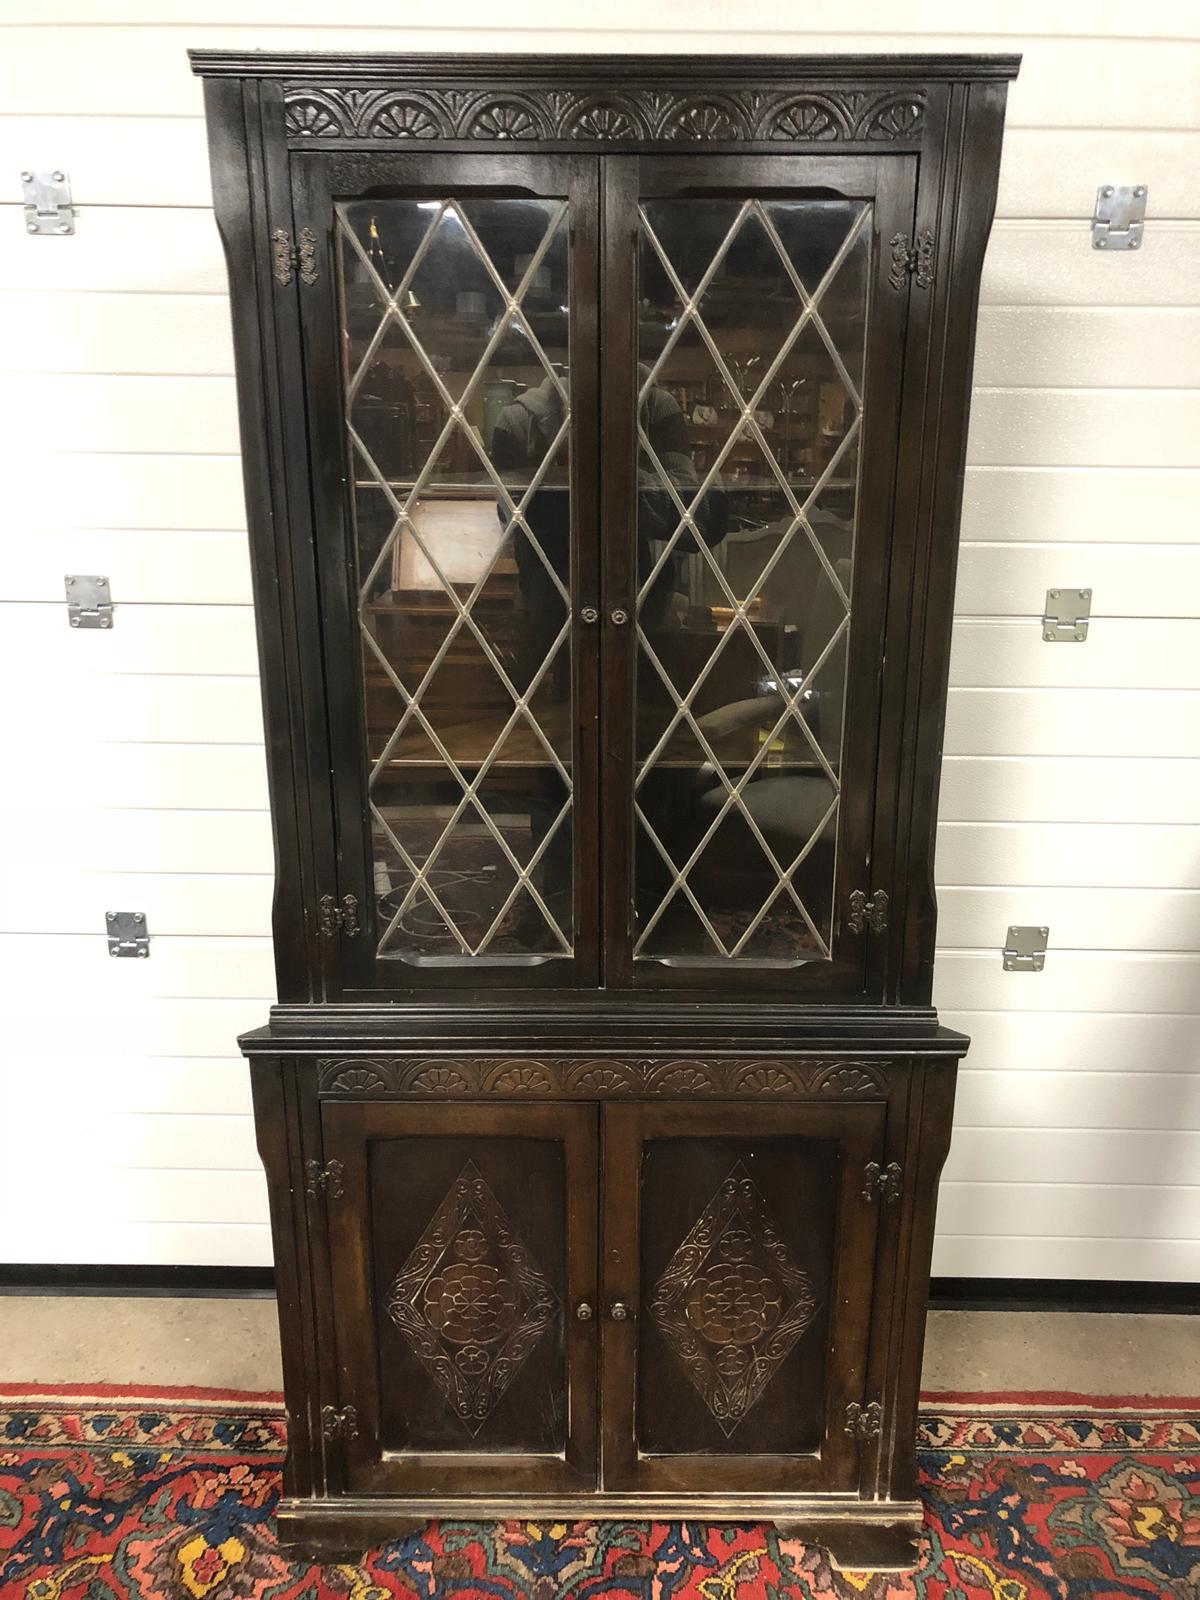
(1027, 1497)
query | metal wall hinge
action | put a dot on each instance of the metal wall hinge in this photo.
(1118, 221)
(325, 1179)
(89, 600)
(912, 260)
(864, 1422)
(870, 913)
(334, 916)
(1025, 949)
(48, 207)
(337, 1424)
(1065, 619)
(286, 260)
(128, 934)
(882, 1183)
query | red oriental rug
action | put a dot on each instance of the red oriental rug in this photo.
(106, 1494)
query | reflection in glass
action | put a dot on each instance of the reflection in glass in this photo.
(455, 350)
(752, 332)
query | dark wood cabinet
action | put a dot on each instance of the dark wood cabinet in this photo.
(604, 425)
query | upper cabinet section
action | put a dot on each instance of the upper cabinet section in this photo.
(604, 422)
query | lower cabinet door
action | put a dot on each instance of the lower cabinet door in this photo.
(463, 1246)
(738, 1255)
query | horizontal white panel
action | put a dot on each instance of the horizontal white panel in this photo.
(1073, 1155)
(176, 968)
(1132, 1260)
(1082, 347)
(152, 777)
(98, 412)
(1053, 264)
(1062, 427)
(1068, 789)
(1055, 172)
(142, 564)
(199, 842)
(117, 248)
(1066, 1210)
(1126, 580)
(1116, 722)
(1080, 1041)
(199, 639)
(198, 1244)
(126, 491)
(1079, 918)
(1082, 505)
(53, 896)
(115, 161)
(191, 1197)
(155, 1140)
(1099, 854)
(1072, 980)
(94, 1083)
(1079, 1100)
(61, 331)
(1118, 653)
(132, 1023)
(127, 707)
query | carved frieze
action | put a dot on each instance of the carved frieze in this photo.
(638, 113)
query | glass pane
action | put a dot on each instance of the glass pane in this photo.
(752, 333)
(455, 352)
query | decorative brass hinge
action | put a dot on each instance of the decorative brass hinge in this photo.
(334, 916)
(912, 260)
(341, 1424)
(864, 1422)
(302, 259)
(870, 913)
(882, 1183)
(325, 1179)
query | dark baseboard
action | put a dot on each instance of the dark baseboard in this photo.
(256, 1283)
(1061, 1294)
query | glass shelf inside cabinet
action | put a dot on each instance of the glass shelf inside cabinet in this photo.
(455, 316)
(752, 335)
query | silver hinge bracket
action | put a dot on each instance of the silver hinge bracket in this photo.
(1065, 619)
(864, 1422)
(882, 1183)
(1025, 949)
(337, 1424)
(337, 916)
(302, 259)
(1118, 221)
(913, 260)
(128, 934)
(872, 913)
(89, 600)
(48, 207)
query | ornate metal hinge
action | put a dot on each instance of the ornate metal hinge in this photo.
(302, 259)
(870, 913)
(341, 1424)
(334, 916)
(911, 260)
(864, 1422)
(882, 1183)
(325, 1179)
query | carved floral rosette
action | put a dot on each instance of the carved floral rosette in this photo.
(638, 114)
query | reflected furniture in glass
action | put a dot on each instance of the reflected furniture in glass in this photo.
(604, 426)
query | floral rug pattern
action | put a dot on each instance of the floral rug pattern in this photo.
(170, 1497)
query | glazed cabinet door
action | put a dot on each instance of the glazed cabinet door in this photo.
(754, 329)
(450, 350)
(738, 1255)
(463, 1251)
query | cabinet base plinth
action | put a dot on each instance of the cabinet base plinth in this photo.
(879, 1536)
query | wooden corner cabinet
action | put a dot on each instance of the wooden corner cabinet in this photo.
(604, 423)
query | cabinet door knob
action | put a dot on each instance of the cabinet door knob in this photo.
(589, 614)
(618, 1311)
(619, 617)
(583, 1311)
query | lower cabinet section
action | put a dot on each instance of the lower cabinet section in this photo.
(661, 1300)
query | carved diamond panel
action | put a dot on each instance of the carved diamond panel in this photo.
(732, 1302)
(471, 1300)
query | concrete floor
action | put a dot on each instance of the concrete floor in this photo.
(234, 1344)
